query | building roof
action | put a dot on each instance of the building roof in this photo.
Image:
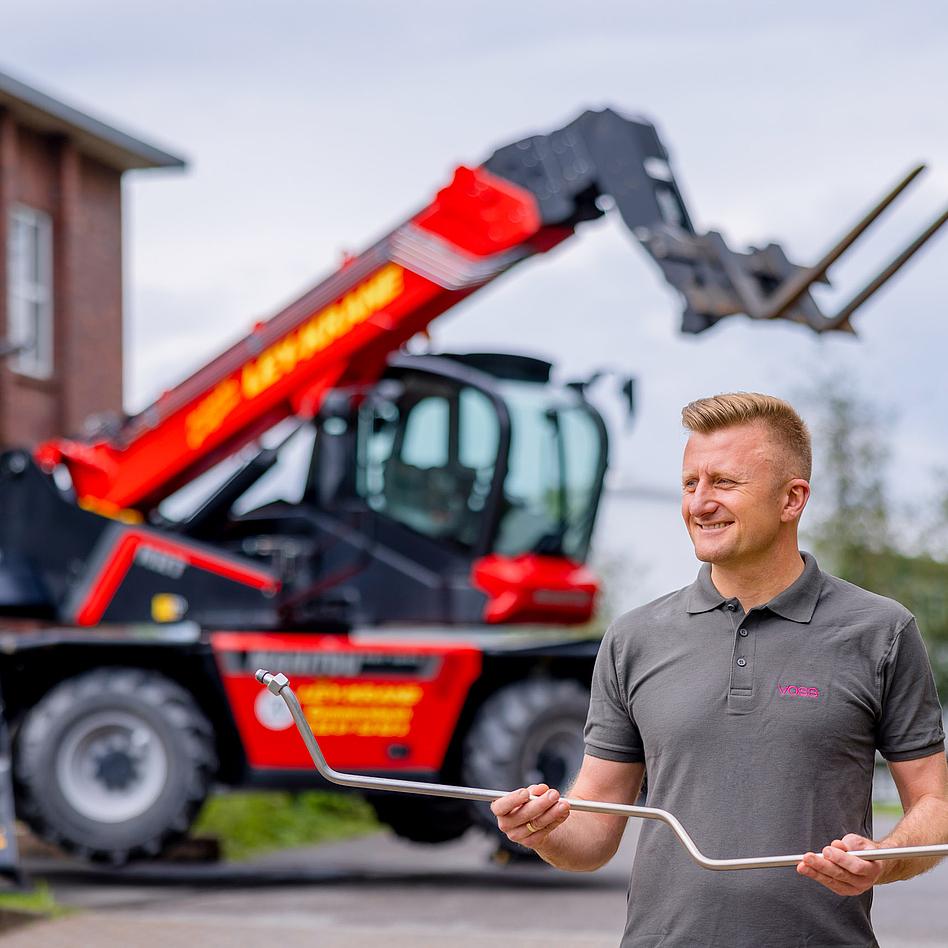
(109, 145)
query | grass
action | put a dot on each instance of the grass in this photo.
(251, 823)
(887, 809)
(39, 901)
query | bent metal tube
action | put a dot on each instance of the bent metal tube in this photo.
(279, 685)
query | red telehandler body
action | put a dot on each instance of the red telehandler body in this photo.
(422, 580)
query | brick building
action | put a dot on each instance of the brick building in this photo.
(60, 262)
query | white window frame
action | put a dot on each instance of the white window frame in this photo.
(28, 295)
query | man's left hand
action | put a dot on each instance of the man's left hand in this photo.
(841, 871)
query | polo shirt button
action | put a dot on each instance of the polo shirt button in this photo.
(742, 662)
(742, 632)
(731, 607)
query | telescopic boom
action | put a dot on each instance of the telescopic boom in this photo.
(526, 198)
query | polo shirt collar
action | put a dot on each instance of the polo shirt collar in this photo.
(797, 602)
(703, 595)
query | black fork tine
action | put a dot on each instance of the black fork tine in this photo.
(840, 320)
(797, 285)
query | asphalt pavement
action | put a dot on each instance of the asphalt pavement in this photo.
(381, 890)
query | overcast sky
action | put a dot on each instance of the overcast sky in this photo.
(312, 128)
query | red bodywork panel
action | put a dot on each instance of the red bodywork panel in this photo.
(374, 707)
(339, 333)
(481, 214)
(532, 588)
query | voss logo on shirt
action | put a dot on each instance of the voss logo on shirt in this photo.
(798, 691)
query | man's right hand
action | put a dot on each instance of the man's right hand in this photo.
(528, 816)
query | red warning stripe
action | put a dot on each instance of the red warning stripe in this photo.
(116, 567)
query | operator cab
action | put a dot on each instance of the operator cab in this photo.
(459, 489)
(478, 451)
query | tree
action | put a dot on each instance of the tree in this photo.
(851, 457)
(857, 529)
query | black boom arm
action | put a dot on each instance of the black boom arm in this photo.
(604, 155)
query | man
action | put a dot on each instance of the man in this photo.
(756, 699)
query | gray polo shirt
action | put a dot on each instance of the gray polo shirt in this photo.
(759, 733)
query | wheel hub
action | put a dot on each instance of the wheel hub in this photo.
(554, 754)
(116, 770)
(111, 766)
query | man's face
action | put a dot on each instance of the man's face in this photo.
(733, 494)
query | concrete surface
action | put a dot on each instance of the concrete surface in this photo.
(381, 890)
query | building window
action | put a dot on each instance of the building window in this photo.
(30, 302)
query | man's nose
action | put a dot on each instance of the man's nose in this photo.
(701, 501)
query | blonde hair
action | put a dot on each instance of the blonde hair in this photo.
(743, 408)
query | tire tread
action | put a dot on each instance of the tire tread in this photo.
(195, 740)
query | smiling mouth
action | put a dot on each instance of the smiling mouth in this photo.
(711, 527)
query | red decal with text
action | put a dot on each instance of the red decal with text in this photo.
(373, 706)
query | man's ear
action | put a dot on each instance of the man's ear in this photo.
(796, 494)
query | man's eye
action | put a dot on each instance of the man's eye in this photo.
(725, 480)
(688, 485)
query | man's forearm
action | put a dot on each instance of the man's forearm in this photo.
(583, 843)
(925, 824)
(536, 817)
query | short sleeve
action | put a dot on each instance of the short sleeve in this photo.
(910, 725)
(610, 730)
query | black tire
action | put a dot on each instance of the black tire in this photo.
(113, 764)
(422, 819)
(529, 732)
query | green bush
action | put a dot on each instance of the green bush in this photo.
(250, 823)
